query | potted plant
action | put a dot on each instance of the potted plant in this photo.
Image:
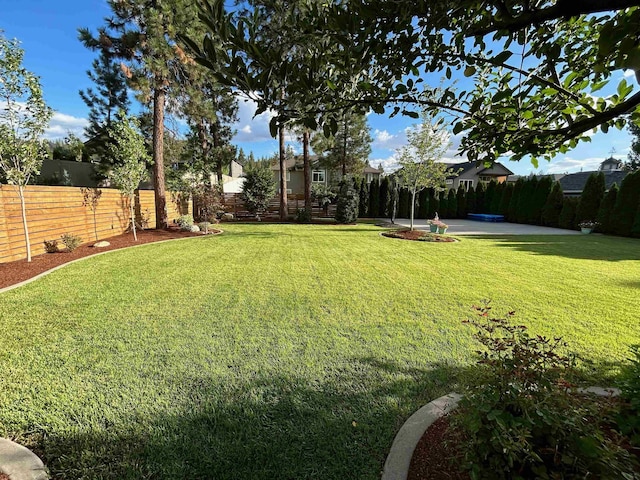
(587, 226)
(433, 225)
(442, 227)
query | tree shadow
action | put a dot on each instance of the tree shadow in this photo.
(269, 426)
(586, 247)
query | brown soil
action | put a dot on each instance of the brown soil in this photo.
(21, 270)
(418, 235)
(4, 477)
(437, 455)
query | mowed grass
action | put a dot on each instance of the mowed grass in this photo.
(282, 351)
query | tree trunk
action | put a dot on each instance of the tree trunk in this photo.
(307, 173)
(216, 145)
(344, 148)
(133, 217)
(283, 176)
(27, 242)
(158, 158)
(413, 206)
(95, 224)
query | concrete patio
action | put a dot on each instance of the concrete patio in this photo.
(470, 227)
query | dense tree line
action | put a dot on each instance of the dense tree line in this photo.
(534, 201)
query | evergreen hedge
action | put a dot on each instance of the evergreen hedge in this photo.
(553, 206)
(363, 203)
(423, 204)
(624, 212)
(542, 191)
(461, 195)
(591, 198)
(385, 198)
(452, 204)
(605, 212)
(471, 200)
(505, 199)
(567, 218)
(347, 206)
(374, 198)
(480, 196)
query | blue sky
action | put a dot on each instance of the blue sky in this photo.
(48, 32)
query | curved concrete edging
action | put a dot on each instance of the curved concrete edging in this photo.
(20, 463)
(396, 467)
(47, 272)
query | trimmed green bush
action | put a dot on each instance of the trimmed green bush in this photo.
(258, 189)
(347, 205)
(591, 198)
(374, 198)
(461, 195)
(505, 198)
(512, 210)
(567, 218)
(471, 200)
(480, 198)
(605, 212)
(542, 191)
(363, 202)
(553, 206)
(624, 212)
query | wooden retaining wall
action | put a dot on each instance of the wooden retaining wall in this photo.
(53, 211)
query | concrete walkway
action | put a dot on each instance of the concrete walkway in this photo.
(470, 227)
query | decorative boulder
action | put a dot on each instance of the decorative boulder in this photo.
(227, 216)
(194, 228)
(101, 244)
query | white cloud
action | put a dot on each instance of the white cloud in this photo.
(389, 164)
(62, 124)
(250, 128)
(572, 165)
(629, 73)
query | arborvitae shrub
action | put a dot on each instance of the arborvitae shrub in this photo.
(553, 206)
(461, 195)
(489, 195)
(363, 205)
(385, 198)
(434, 204)
(624, 212)
(494, 206)
(347, 206)
(591, 198)
(543, 189)
(423, 204)
(403, 207)
(605, 211)
(525, 199)
(567, 217)
(480, 196)
(442, 199)
(505, 198)
(635, 228)
(452, 204)
(512, 210)
(471, 200)
(374, 198)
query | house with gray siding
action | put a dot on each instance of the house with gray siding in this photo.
(470, 174)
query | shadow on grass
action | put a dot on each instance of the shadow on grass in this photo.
(269, 427)
(591, 247)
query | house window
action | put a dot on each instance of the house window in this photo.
(318, 176)
(466, 184)
(369, 177)
(449, 181)
(288, 176)
(485, 178)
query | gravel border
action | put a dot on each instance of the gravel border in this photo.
(40, 275)
(396, 467)
(20, 463)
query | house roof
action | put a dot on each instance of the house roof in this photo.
(611, 161)
(575, 182)
(496, 169)
(370, 169)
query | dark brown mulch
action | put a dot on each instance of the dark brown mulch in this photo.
(21, 270)
(418, 235)
(4, 477)
(436, 456)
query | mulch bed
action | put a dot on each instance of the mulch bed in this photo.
(436, 456)
(418, 235)
(21, 270)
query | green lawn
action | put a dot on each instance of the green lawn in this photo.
(282, 352)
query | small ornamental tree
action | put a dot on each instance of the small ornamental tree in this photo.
(90, 198)
(347, 205)
(553, 206)
(591, 197)
(23, 119)
(258, 189)
(420, 159)
(128, 152)
(606, 210)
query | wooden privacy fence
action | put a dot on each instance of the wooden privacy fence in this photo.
(233, 204)
(53, 211)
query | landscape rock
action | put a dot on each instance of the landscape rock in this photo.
(227, 216)
(194, 228)
(101, 244)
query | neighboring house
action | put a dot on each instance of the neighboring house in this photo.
(470, 174)
(319, 174)
(573, 183)
(67, 173)
(554, 176)
(233, 182)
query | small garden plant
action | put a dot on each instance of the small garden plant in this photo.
(522, 421)
(71, 241)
